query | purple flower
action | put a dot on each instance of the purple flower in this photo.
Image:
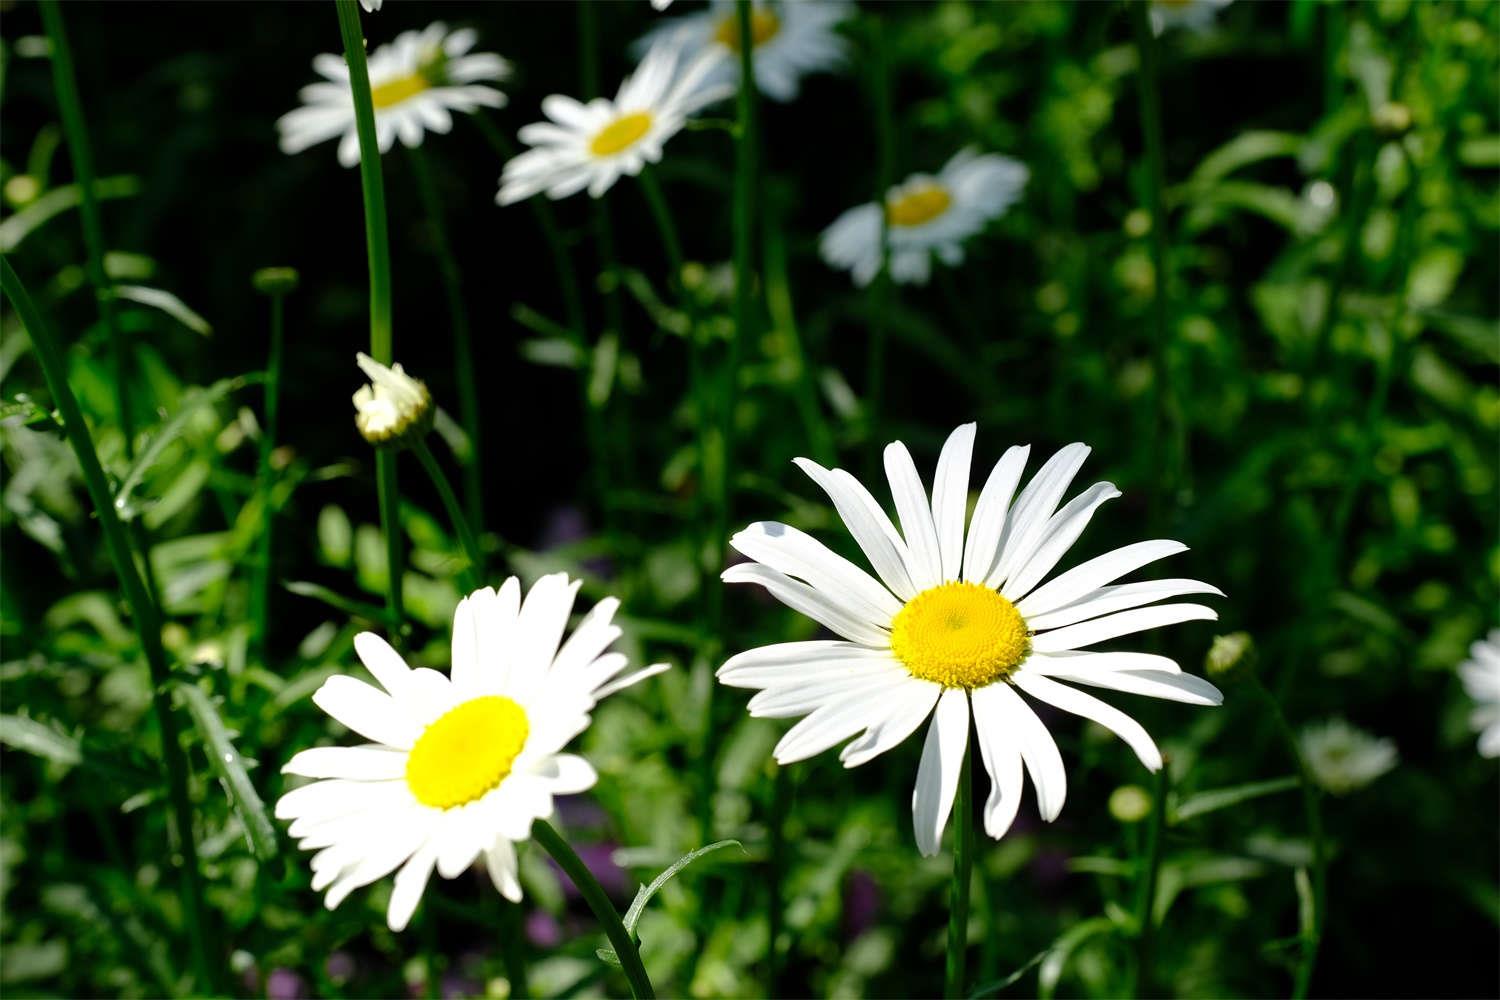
(542, 929)
(339, 967)
(284, 984)
(862, 901)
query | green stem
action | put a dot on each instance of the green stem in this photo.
(1149, 865)
(1169, 418)
(593, 894)
(474, 573)
(377, 243)
(142, 610)
(260, 596)
(780, 861)
(784, 316)
(463, 348)
(1313, 816)
(513, 949)
(963, 869)
(880, 288)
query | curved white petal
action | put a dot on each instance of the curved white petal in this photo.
(1090, 576)
(383, 662)
(367, 711)
(950, 498)
(500, 860)
(816, 605)
(867, 523)
(924, 562)
(1002, 760)
(1038, 750)
(373, 763)
(1061, 532)
(902, 711)
(1121, 597)
(1034, 507)
(981, 548)
(1186, 688)
(937, 774)
(1118, 624)
(799, 555)
(793, 662)
(1111, 718)
(407, 891)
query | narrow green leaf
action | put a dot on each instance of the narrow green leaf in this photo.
(1063, 948)
(165, 301)
(22, 224)
(230, 768)
(332, 598)
(643, 895)
(40, 739)
(1222, 798)
(173, 429)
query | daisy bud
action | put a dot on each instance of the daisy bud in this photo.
(393, 407)
(1229, 654)
(1130, 803)
(275, 280)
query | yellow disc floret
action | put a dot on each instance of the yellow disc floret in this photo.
(918, 205)
(764, 25)
(400, 89)
(960, 635)
(620, 134)
(466, 752)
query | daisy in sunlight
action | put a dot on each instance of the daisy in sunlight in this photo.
(790, 40)
(591, 145)
(456, 766)
(416, 83)
(960, 624)
(926, 215)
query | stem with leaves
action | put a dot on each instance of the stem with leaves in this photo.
(1148, 866)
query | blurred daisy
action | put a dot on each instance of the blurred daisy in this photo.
(958, 623)
(371, 6)
(1481, 676)
(1194, 15)
(392, 404)
(457, 766)
(416, 82)
(591, 145)
(926, 215)
(790, 40)
(1342, 758)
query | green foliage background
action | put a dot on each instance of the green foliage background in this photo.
(1333, 344)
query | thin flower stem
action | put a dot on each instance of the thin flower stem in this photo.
(143, 610)
(377, 242)
(880, 288)
(784, 317)
(260, 597)
(1149, 867)
(463, 347)
(963, 870)
(475, 571)
(593, 894)
(1169, 417)
(780, 860)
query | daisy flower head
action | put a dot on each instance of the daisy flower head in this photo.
(959, 622)
(461, 765)
(591, 145)
(416, 83)
(392, 406)
(790, 40)
(926, 215)
(1481, 678)
(1343, 758)
(1194, 15)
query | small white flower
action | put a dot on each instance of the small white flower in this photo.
(457, 766)
(591, 145)
(1481, 676)
(1344, 759)
(1194, 15)
(791, 40)
(416, 82)
(371, 6)
(960, 623)
(392, 405)
(926, 215)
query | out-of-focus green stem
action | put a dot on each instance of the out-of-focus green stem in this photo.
(143, 610)
(475, 571)
(463, 348)
(260, 596)
(1169, 418)
(780, 862)
(880, 288)
(784, 316)
(593, 894)
(377, 243)
(963, 871)
(1149, 873)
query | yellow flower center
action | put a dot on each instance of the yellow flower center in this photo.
(621, 134)
(400, 89)
(917, 206)
(960, 635)
(763, 27)
(466, 752)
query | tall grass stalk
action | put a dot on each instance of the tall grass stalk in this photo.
(143, 611)
(463, 345)
(1148, 874)
(377, 243)
(275, 283)
(963, 873)
(880, 288)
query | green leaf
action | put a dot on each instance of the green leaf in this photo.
(644, 894)
(40, 739)
(1243, 150)
(1063, 948)
(230, 768)
(21, 225)
(332, 598)
(1222, 798)
(166, 302)
(172, 430)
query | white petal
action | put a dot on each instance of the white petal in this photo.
(544, 618)
(1002, 760)
(407, 891)
(1038, 751)
(383, 662)
(950, 498)
(789, 662)
(1090, 576)
(904, 709)
(924, 563)
(871, 528)
(1111, 718)
(1107, 600)
(836, 717)
(629, 680)
(843, 687)
(367, 711)
(1186, 688)
(1061, 532)
(501, 862)
(1034, 507)
(459, 840)
(801, 556)
(591, 638)
(399, 838)
(375, 763)
(820, 607)
(568, 773)
(937, 774)
(981, 549)
(1118, 624)
(464, 666)
(1046, 663)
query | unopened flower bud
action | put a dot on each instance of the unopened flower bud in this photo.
(394, 407)
(1229, 654)
(274, 280)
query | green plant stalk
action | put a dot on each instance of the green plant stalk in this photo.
(1169, 417)
(142, 610)
(513, 949)
(880, 288)
(1361, 200)
(784, 316)
(260, 595)
(963, 870)
(1149, 865)
(474, 573)
(377, 243)
(780, 861)
(588, 887)
(1312, 811)
(463, 347)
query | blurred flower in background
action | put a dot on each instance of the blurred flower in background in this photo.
(416, 82)
(1481, 676)
(1344, 758)
(1194, 15)
(926, 215)
(791, 40)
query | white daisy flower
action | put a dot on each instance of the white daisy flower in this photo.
(790, 40)
(960, 622)
(392, 404)
(926, 215)
(416, 82)
(1342, 758)
(591, 145)
(1481, 676)
(1194, 15)
(457, 766)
